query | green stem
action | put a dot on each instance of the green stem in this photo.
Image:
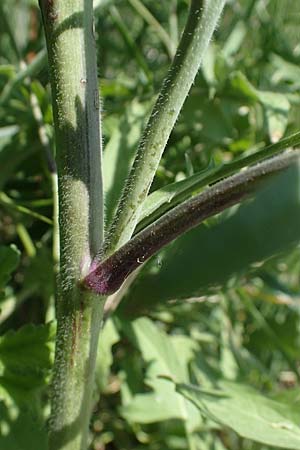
(73, 74)
(45, 141)
(194, 42)
(198, 181)
(130, 43)
(9, 203)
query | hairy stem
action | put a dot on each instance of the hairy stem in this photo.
(198, 31)
(108, 276)
(73, 74)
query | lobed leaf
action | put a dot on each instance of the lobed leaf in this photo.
(26, 357)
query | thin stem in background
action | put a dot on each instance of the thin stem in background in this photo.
(45, 141)
(9, 203)
(198, 31)
(108, 276)
(130, 43)
(31, 69)
(152, 22)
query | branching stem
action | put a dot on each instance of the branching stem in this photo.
(198, 31)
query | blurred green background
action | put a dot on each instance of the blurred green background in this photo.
(246, 95)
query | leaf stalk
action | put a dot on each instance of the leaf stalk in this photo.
(108, 276)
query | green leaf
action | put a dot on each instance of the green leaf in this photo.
(114, 88)
(242, 85)
(6, 133)
(285, 70)
(30, 70)
(40, 281)
(276, 105)
(13, 152)
(166, 356)
(26, 357)
(277, 108)
(167, 197)
(234, 40)
(9, 260)
(206, 259)
(119, 153)
(154, 407)
(248, 413)
(290, 396)
(20, 431)
(108, 337)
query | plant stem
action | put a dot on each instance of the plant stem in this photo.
(130, 43)
(198, 181)
(9, 203)
(73, 74)
(107, 277)
(198, 31)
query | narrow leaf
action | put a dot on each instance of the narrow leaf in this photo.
(169, 196)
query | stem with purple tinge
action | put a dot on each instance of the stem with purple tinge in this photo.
(108, 276)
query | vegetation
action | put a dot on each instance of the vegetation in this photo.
(181, 243)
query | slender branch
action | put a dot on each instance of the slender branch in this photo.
(197, 181)
(198, 31)
(108, 276)
(73, 73)
(9, 203)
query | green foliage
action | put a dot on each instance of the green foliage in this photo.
(169, 357)
(26, 357)
(20, 431)
(248, 413)
(9, 259)
(109, 337)
(221, 328)
(124, 131)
